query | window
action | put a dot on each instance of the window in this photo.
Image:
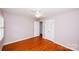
(1, 27)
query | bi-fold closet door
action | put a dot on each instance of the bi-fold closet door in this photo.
(49, 29)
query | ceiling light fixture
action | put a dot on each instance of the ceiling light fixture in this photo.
(37, 13)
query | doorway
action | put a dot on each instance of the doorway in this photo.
(38, 28)
(41, 28)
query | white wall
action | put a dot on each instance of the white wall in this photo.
(67, 29)
(63, 29)
(17, 27)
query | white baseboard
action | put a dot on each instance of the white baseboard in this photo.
(60, 44)
(44, 38)
(17, 40)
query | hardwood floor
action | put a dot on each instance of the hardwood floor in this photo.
(34, 44)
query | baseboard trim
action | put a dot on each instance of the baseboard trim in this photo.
(19, 40)
(60, 44)
(42, 37)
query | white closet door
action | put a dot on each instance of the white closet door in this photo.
(50, 29)
(36, 28)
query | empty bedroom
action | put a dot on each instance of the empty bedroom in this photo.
(39, 29)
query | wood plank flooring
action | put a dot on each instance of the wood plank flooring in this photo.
(34, 44)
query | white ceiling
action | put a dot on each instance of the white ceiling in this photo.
(47, 12)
